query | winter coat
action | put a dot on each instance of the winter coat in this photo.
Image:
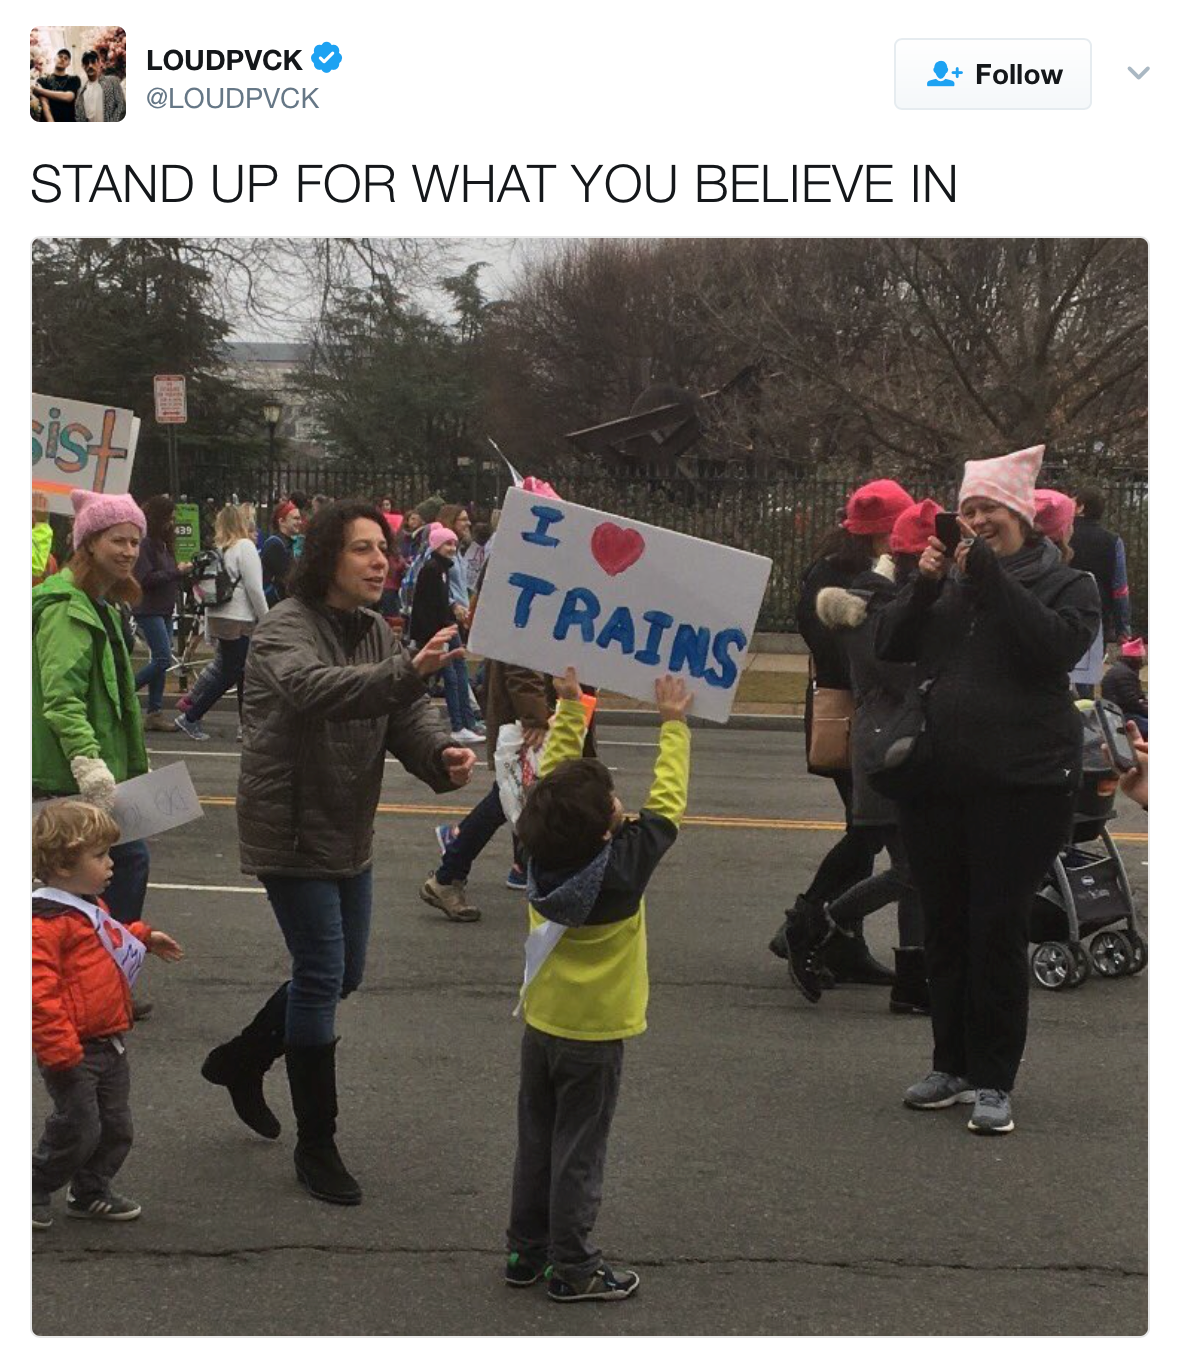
(83, 688)
(327, 693)
(431, 600)
(830, 659)
(158, 574)
(879, 687)
(519, 695)
(999, 644)
(1122, 686)
(78, 991)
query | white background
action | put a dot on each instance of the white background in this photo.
(640, 83)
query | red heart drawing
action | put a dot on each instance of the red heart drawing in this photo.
(615, 548)
(113, 933)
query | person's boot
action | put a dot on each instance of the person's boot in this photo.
(311, 1071)
(848, 959)
(241, 1063)
(910, 988)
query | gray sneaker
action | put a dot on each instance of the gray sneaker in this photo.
(991, 1113)
(938, 1089)
(112, 1207)
(449, 898)
(42, 1215)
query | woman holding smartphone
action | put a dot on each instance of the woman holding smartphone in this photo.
(995, 625)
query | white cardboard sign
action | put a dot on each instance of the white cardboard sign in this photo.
(77, 445)
(620, 600)
(152, 803)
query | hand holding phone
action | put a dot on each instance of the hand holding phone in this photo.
(947, 529)
(1116, 736)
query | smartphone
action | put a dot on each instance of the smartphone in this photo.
(1116, 737)
(947, 529)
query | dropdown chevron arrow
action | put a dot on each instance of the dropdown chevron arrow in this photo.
(1137, 74)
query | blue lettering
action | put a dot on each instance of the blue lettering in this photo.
(725, 639)
(580, 607)
(691, 646)
(659, 622)
(530, 587)
(545, 517)
(619, 629)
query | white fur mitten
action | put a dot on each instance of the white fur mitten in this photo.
(95, 782)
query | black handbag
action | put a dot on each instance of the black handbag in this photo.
(900, 755)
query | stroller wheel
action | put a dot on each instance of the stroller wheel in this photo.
(1112, 954)
(1139, 954)
(1083, 964)
(1053, 966)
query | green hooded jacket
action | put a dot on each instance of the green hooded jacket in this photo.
(83, 688)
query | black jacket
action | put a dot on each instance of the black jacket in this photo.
(830, 659)
(999, 644)
(1122, 686)
(1094, 550)
(431, 600)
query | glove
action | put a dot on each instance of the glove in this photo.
(95, 782)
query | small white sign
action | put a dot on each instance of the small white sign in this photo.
(152, 803)
(621, 601)
(77, 445)
(171, 399)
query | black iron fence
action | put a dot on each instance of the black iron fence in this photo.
(773, 513)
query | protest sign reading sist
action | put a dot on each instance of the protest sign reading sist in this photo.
(621, 601)
(78, 445)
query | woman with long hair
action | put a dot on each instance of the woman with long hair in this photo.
(158, 575)
(230, 624)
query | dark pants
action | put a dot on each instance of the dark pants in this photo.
(568, 1091)
(325, 923)
(88, 1134)
(127, 890)
(977, 863)
(474, 833)
(156, 631)
(874, 893)
(231, 653)
(852, 857)
(456, 685)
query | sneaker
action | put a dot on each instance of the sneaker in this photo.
(467, 736)
(521, 1272)
(604, 1284)
(112, 1207)
(481, 728)
(445, 836)
(938, 1089)
(991, 1113)
(42, 1215)
(193, 730)
(158, 721)
(517, 879)
(449, 898)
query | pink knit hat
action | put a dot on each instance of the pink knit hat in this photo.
(441, 535)
(533, 485)
(96, 512)
(873, 509)
(1054, 513)
(914, 526)
(1007, 479)
(1134, 647)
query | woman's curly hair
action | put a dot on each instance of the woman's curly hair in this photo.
(323, 544)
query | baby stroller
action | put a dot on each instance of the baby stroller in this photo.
(1087, 894)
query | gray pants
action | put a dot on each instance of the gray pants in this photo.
(568, 1091)
(88, 1134)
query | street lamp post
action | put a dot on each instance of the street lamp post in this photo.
(272, 414)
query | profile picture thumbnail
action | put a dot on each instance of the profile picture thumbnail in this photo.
(78, 74)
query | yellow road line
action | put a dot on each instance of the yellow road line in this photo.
(738, 823)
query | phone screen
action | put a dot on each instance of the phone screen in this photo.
(1116, 738)
(948, 529)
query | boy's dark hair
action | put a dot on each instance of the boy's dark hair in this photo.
(324, 543)
(87, 57)
(567, 814)
(1092, 501)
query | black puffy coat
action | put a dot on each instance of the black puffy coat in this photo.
(999, 644)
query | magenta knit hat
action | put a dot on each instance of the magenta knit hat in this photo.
(440, 535)
(914, 526)
(1133, 647)
(1054, 513)
(96, 512)
(1007, 479)
(873, 509)
(533, 485)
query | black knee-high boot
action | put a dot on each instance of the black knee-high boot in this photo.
(241, 1063)
(311, 1071)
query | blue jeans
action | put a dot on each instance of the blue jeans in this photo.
(325, 923)
(156, 631)
(456, 686)
(231, 653)
(474, 832)
(127, 889)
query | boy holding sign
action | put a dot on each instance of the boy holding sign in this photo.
(84, 964)
(585, 986)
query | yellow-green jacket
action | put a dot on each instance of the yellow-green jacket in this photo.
(594, 986)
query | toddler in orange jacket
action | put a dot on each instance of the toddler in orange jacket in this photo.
(84, 964)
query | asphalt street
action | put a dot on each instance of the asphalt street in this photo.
(763, 1176)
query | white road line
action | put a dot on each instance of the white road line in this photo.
(627, 743)
(200, 887)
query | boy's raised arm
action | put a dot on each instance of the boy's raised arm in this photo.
(668, 794)
(566, 736)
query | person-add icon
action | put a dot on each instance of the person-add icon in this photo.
(941, 70)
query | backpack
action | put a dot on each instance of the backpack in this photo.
(212, 582)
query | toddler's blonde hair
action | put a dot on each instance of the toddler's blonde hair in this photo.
(63, 830)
